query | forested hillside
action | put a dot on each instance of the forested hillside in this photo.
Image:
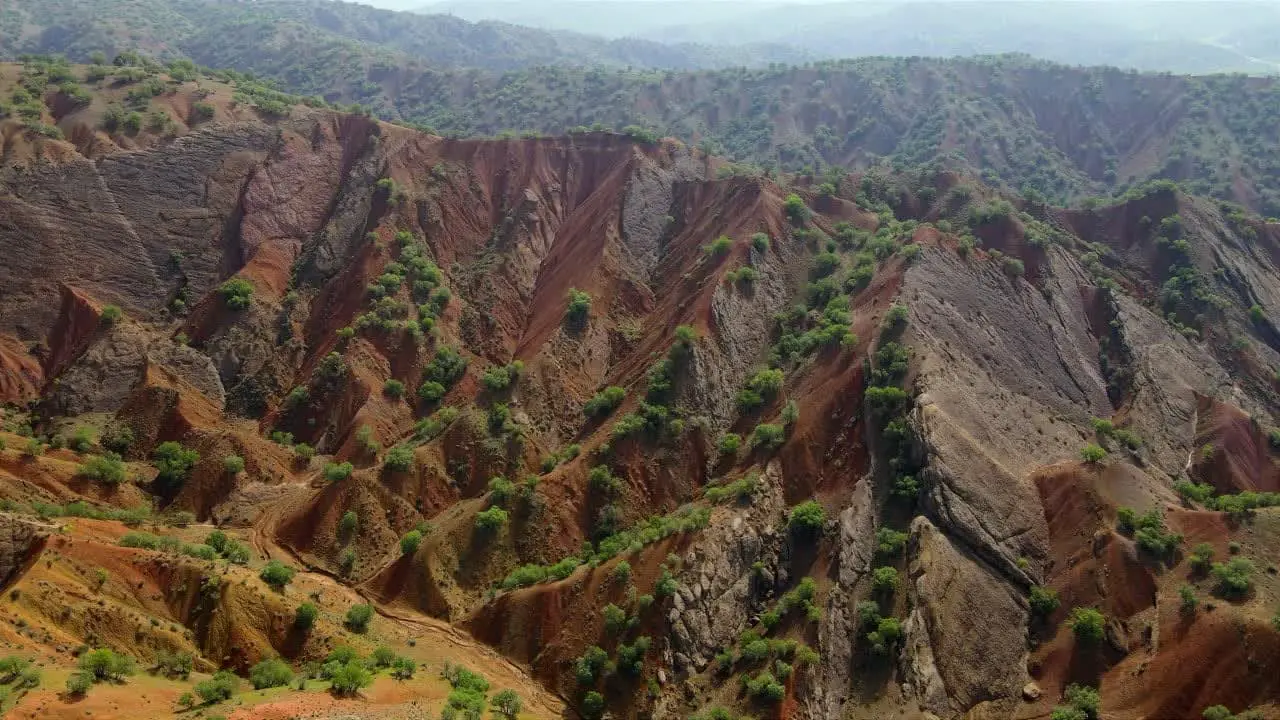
(1066, 133)
(1063, 133)
(329, 44)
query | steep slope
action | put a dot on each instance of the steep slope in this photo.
(666, 439)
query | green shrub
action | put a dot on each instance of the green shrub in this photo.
(768, 436)
(888, 631)
(143, 540)
(105, 665)
(760, 242)
(1088, 624)
(765, 687)
(304, 618)
(410, 542)
(1044, 601)
(111, 314)
(741, 490)
(381, 657)
(592, 706)
(578, 310)
(403, 668)
(507, 704)
(615, 618)
(491, 520)
(220, 687)
(270, 673)
(1189, 600)
(358, 617)
(588, 667)
(498, 379)
(334, 472)
(718, 247)
(621, 573)
(399, 459)
(729, 443)
(795, 209)
(349, 677)
(807, 518)
(1194, 492)
(237, 293)
(276, 574)
(884, 580)
(889, 542)
(233, 464)
(895, 317)
(604, 402)
(81, 441)
(174, 463)
(1082, 704)
(78, 683)
(393, 389)
(108, 469)
(1234, 577)
(1092, 453)
(348, 524)
(302, 453)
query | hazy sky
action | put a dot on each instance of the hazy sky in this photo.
(418, 4)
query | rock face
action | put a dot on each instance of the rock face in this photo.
(965, 638)
(16, 540)
(718, 596)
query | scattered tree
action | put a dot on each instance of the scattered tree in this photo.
(304, 618)
(807, 518)
(358, 617)
(276, 574)
(270, 673)
(410, 542)
(1088, 624)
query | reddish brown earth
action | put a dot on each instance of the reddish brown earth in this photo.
(1002, 373)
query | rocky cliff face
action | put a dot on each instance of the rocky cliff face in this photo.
(936, 393)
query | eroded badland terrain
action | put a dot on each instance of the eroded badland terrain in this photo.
(386, 424)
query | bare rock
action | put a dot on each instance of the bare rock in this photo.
(956, 597)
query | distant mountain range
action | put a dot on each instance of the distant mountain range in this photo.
(296, 38)
(1064, 132)
(1184, 37)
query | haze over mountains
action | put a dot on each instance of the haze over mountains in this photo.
(1197, 36)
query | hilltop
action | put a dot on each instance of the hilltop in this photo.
(610, 427)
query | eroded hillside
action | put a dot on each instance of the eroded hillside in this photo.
(613, 431)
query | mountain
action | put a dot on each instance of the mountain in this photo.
(1067, 133)
(1183, 37)
(425, 419)
(328, 41)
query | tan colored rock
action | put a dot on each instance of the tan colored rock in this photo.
(971, 622)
